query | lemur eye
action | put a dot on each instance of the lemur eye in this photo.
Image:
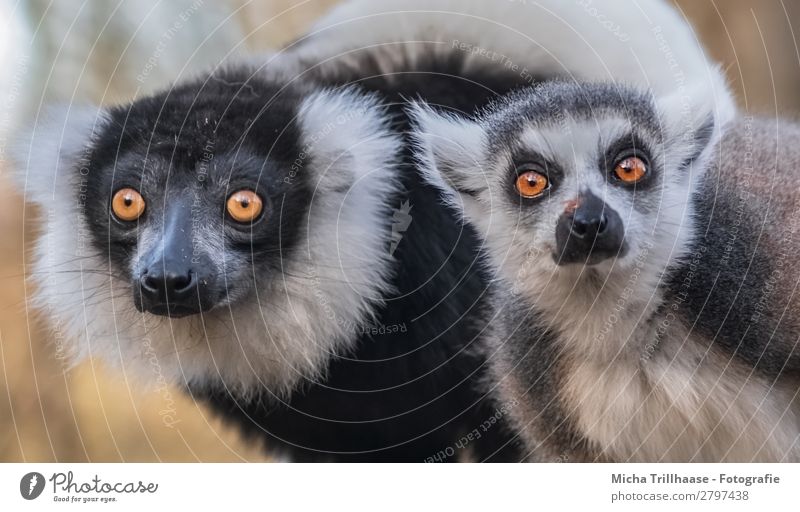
(631, 169)
(127, 204)
(532, 184)
(244, 206)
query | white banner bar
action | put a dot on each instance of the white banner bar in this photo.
(349, 487)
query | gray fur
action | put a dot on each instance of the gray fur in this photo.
(682, 348)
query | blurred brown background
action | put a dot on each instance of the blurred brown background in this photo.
(87, 414)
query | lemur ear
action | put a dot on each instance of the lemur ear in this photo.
(689, 124)
(48, 155)
(451, 151)
(348, 135)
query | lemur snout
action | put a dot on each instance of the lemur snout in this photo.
(175, 288)
(176, 280)
(589, 233)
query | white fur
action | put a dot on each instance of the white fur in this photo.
(445, 140)
(301, 318)
(654, 48)
(686, 403)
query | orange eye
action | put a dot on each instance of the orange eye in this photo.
(631, 170)
(244, 206)
(127, 204)
(532, 184)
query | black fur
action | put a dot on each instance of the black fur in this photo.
(403, 396)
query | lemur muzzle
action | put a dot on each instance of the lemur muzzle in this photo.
(589, 233)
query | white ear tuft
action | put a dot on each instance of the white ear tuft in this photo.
(689, 125)
(451, 151)
(47, 155)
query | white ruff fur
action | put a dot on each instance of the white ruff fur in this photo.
(685, 403)
(302, 318)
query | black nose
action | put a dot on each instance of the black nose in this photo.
(170, 290)
(589, 224)
(589, 234)
(169, 284)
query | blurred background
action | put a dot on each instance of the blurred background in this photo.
(110, 51)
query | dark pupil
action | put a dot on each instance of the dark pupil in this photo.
(128, 200)
(244, 203)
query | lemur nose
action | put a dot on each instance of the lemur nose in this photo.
(589, 233)
(591, 226)
(168, 284)
(170, 289)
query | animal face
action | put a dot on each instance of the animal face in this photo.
(191, 197)
(571, 180)
(232, 229)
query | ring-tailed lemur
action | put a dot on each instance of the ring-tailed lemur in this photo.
(234, 233)
(646, 307)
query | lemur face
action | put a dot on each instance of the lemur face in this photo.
(569, 179)
(193, 199)
(231, 229)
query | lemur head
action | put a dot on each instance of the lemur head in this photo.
(232, 227)
(572, 183)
